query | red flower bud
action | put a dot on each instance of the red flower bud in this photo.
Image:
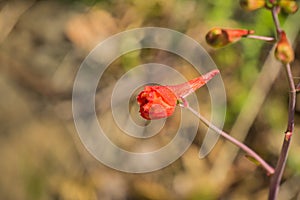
(218, 37)
(252, 4)
(288, 6)
(160, 101)
(284, 51)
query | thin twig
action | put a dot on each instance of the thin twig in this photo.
(292, 99)
(276, 20)
(275, 182)
(263, 38)
(249, 151)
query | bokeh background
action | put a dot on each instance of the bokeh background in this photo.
(43, 44)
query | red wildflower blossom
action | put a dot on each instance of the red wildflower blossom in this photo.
(160, 101)
(220, 37)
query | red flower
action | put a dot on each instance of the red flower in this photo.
(220, 37)
(160, 101)
(156, 102)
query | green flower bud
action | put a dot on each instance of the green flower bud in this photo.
(252, 4)
(284, 51)
(288, 6)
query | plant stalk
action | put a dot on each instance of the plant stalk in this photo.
(263, 38)
(276, 178)
(275, 181)
(250, 152)
(276, 20)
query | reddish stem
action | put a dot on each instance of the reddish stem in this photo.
(276, 179)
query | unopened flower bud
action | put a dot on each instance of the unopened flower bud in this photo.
(284, 51)
(288, 6)
(252, 4)
(218, 37)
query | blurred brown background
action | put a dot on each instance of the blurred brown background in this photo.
(42, 46)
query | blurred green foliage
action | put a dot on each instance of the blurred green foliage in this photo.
(44, 158)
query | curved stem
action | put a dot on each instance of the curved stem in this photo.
(249, 151)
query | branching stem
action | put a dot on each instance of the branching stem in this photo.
(276, 179)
